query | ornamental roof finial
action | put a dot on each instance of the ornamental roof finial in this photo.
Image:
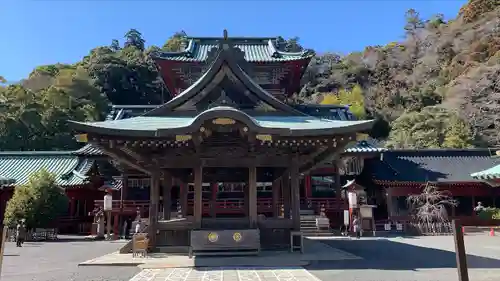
(225, 34)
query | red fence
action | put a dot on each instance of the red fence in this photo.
(235, 206)
(127, 206)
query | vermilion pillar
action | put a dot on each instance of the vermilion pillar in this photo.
(72, 207)
(183, 198)
(116, 226)
(213, 205)
(308, 186)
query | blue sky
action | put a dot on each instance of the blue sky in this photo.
(41, 32)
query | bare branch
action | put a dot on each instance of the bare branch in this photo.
(430, 205)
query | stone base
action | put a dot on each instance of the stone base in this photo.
(314, 251)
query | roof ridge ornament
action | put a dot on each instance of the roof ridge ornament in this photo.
(224, 34)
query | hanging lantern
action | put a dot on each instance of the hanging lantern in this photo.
(108, 202)
(353, 199)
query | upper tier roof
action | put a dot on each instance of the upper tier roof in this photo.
(255, 49)
(224, 90)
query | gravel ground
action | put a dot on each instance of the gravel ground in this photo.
(58, 261)
(411, 259)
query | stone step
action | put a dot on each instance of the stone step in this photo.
(308, 217)
(313, 228)
(308, 224)
(318, 234)
(173, 249)
(226, 253)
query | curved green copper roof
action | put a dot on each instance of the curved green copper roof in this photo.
(151, 126)
(16, 167)
(255, 49)
(488, 174)
(226, 58)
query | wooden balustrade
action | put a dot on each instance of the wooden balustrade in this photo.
(232, 206)
(126, 205)
(330, 204)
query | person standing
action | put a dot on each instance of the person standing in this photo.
(356, 224)
(20, 234)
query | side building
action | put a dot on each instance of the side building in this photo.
(79, 177)
(396, 174)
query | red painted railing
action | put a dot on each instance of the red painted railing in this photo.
(234, 206)
(126, 205)
(330, 204)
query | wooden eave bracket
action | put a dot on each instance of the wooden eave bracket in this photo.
(320, 158)
(121, 156)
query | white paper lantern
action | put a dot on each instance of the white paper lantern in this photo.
(108, 202)
(346, 217)
(353, 199)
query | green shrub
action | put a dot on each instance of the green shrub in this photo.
(490, 213)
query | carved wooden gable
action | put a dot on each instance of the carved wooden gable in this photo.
(226, 90)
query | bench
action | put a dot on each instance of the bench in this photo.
(140, 244)
(225, 242)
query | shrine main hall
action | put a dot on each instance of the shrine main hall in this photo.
(225, 127)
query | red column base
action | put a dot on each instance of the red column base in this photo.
(116, 227)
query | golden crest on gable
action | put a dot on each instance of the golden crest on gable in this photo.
(183, 137)
(264, 137)
(224, 121)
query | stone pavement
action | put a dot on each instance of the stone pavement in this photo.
(314, 251)
(410, 259)
(225, 274)
(58, 261)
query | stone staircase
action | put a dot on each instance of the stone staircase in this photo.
(308, 225)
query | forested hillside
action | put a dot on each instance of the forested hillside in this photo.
(439, 87)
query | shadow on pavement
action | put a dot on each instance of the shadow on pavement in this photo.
(390, 255)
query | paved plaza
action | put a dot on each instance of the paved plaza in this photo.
(380, 259)
(411, 259)
(225, 274)
(58, 261)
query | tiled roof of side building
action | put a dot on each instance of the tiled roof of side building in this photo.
(255, 49)
(368, 145)
(435, 165)
(17, 167)
(489, 174)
